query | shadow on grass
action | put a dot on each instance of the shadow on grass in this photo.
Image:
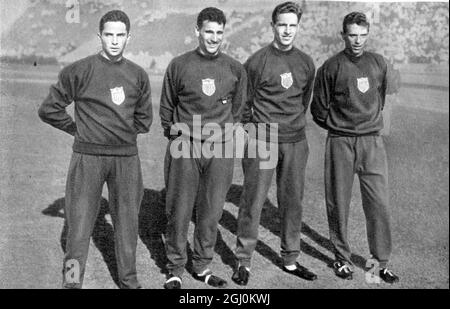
(152, 224)
(102, 235)
(152, 227)
(270, 220)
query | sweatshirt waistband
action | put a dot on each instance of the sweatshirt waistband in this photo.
(105, 150)
(332, 133)
(282, 137)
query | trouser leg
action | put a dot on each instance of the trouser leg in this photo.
(339, 175)
(182, 179)
(374, 191)
(216, 178)
(82, 203)
(125, 196)
(257, 182)
(290, 189)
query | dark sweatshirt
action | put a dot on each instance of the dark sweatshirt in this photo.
(279, 90)
(112, 105)
(212, 87)
(349, 94)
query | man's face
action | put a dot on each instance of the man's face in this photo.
(210, 37)
(114, 38)
(355, 39)
(285, 30)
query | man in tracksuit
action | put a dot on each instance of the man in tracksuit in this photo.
(203, 92)
(112, 105)
(280, 81)
(348, 100)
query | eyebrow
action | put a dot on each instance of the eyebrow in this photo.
(110, 33)
(284, 24)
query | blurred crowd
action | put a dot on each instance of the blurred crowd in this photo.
(402, 32)
(407, 32)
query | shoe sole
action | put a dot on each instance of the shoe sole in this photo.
(239, 282)
(345, 277)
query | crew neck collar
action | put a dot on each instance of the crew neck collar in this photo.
(280, 51)
(352, 57)
(106, 60)
(207, 56)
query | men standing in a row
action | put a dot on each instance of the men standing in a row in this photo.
(349, 96)
(112, 105)
(280, 82)
(202, 90)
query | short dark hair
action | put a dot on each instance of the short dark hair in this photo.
(287, 7)
(355, 18)
(115, 15)
(211, 14)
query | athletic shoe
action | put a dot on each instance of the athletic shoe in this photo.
(173, 283)
(210, 279)
(388, 276)
(241, 275)
(302, 272)
(343, 270)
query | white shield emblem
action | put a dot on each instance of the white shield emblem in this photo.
(117, 95)
(363, 84)
(286, 80)
(208, 86)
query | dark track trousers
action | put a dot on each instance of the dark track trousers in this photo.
(365, 156)
(85, 180)
(201, 182)
(290, 176)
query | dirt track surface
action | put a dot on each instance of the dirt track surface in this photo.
(34, 159)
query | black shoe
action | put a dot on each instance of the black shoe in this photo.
(241, 275)
(388, 276)
(302, 272)
(173, 283)
(210, 279)
(343, 270)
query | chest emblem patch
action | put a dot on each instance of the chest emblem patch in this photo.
(117, 95)
(363, 84)
(286, 80)
(208, 86)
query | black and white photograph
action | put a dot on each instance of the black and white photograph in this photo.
(224, 145)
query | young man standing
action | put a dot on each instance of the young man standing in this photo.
(112, 105)
(280, 81)
(349, 97)
(203, 90)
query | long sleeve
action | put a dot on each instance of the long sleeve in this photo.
(53, 109)
(239, 99)
(393, 79)
(143, 114)
(321, 98)
(309, 87)
(384, 85)
(247, 110)
(168, 102)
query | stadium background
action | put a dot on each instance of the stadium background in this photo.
(36, 40)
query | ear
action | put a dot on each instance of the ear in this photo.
(197, 31)
(272, 26)
(128, 38)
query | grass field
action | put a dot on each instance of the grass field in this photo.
(34, 160)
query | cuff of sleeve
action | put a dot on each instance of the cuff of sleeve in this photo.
(170, 136)
(320, 123)
(72, 129)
